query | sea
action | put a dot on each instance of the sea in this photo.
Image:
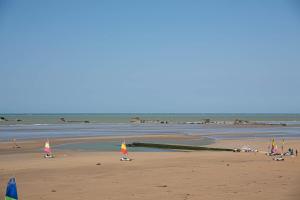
(31, 126)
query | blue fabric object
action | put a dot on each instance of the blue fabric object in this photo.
(11, 190)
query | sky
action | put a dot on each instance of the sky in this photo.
(153, 56)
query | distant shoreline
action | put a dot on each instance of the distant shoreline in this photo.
(57, 118)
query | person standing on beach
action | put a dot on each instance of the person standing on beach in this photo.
(296, 152)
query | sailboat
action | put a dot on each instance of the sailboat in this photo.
(124, 152)
(275, 153)
(274, 148)
(11, 190)
(47, 150)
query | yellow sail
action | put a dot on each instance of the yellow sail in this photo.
(123, 148)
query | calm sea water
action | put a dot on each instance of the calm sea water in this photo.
(114, 145)
(25, 126)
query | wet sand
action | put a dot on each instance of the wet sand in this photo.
(151, 175)
(36, 145)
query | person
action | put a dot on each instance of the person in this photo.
(296, 152)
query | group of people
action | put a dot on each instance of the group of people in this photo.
(292, 152)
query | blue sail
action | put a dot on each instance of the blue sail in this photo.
(11, 190)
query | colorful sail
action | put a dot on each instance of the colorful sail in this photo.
(47, 148)
(282, 146)
(274, 147)
(123, 148)
(11, 190)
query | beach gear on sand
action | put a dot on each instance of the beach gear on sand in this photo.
(278, 158)
(124, 152)
(11, 190)
(125, 159)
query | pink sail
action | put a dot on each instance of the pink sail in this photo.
(47, 148)
(274, 148)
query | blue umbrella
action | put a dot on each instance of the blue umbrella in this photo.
(11, 190)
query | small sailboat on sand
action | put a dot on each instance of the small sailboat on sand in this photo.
(11, 190)
(47, 150)
(274, 148)
(124, 152)
(275, 152)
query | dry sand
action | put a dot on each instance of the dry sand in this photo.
(155, 175)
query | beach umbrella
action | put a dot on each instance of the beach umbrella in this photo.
(11, 190)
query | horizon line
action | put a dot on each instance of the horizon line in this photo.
(43, 113)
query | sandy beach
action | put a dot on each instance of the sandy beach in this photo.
(151, 175)
(149, 100)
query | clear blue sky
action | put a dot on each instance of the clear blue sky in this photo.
(149, 56)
